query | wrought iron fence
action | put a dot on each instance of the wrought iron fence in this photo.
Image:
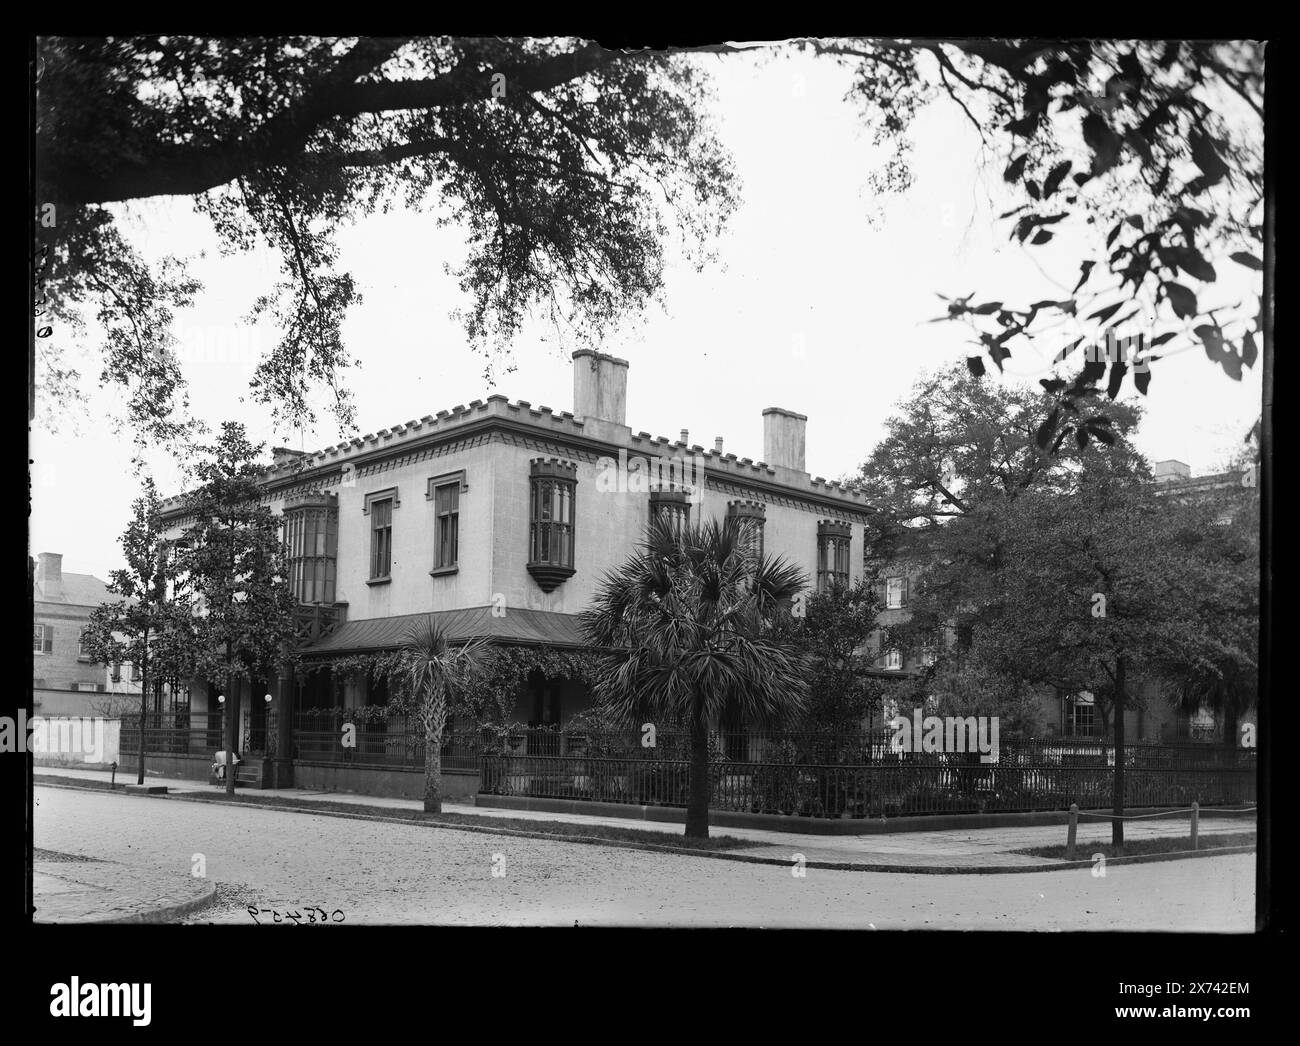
(391, 741)
(173, 733)
(867, 777)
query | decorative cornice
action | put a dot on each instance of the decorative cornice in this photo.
(747, 509)
(834, 528)
(482, 420)
(310, 500)
(555, 467)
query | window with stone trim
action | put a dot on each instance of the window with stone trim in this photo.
(833, 539)
(896, 592)
(552, 494)
(750, 515)
(311, 527)
(445, 492)
(1081, 715)
(43, 639)
(379, 507)
(672, 506)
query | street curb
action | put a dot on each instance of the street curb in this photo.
(166, 913)
(723, 855)
(852, 827)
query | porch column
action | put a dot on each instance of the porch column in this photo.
(283, 706)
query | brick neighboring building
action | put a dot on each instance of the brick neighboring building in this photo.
(1063, 714)
(64, 678)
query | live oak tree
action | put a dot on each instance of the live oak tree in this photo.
(1220, 530)
(1098, 591)
(691, 627)
(954, 452)
(567, 166)
(1152, 149)
(232, 563)
(957, 444)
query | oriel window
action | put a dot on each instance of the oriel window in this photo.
(552, 497)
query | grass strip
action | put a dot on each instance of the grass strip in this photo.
(1137, 847)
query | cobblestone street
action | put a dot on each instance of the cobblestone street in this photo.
(393, 873)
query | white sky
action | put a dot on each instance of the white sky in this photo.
(812, 307)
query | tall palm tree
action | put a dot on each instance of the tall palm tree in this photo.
(437, 669)
(691, 624)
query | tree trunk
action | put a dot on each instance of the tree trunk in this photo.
(1230, 718)
(144, 709)
(1117, 825)
(434, 724)
(697, 800)
(232, 731)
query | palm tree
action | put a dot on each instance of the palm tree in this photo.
(691, 624)
(437, 669)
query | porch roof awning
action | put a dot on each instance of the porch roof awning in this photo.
(531, 627)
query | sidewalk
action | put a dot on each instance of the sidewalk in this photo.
(975, 849)
(70, 889)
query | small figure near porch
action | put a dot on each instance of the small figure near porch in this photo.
(219, 765)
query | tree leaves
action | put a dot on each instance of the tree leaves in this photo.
(1016, 168)
(1103, 141)
(1212, 338)
(1117, 371)
(975, 364)
(1043, 434)
(1142, 377)
(1207, 158)
(1249, 352)
(1247, 259)
(1054, 177)
(1102, 315)
(1181, 299)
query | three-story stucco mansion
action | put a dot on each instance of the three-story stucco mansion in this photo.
(500, 519)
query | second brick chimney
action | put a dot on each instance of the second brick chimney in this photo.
(783, 439)
(49, 574)
(599, 390)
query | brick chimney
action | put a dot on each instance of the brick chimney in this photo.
(49, 574)
(281, 455)
(1169, 470)
(600, 392)
(783, 439)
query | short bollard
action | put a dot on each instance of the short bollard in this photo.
(1074, 828)
(1196, 822)
(112, 781)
